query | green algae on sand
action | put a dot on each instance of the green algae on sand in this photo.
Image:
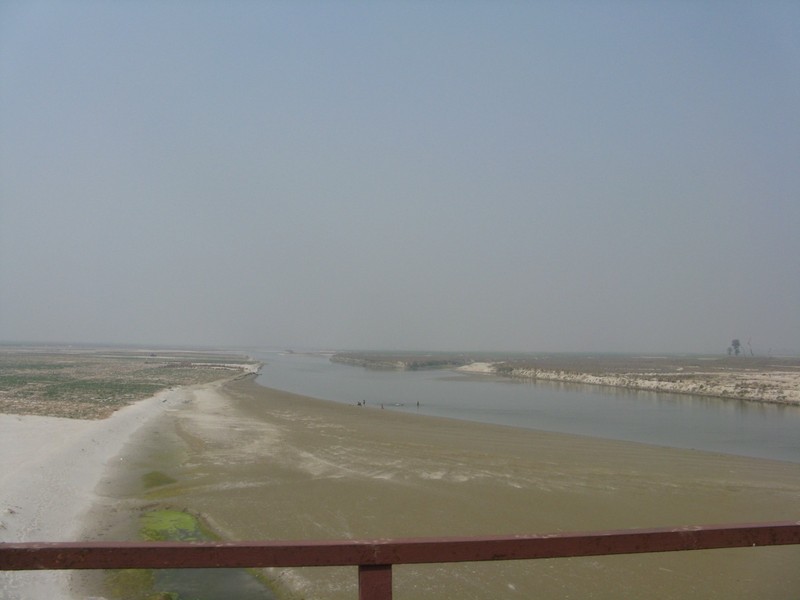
(169, 524)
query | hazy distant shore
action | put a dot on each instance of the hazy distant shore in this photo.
(773, 386)
(756, 379)
(257, 463)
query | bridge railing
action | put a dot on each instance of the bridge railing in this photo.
(375, 558)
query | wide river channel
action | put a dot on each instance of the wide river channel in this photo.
(679, 421)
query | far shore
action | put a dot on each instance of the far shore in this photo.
(774, 380)
(751, 384)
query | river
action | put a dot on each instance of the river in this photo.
(679, 421)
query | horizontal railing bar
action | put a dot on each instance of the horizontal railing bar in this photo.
(163, 555)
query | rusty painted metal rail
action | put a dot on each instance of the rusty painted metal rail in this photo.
(375, 558)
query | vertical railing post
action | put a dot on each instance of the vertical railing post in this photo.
(374, 582)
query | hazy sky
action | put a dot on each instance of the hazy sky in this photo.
(564, 176)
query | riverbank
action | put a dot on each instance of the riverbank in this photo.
(774, 381)
(65, 415)
(86, 382)
(49, 470)
(256, 463)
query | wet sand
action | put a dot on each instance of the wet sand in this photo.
(263, 464)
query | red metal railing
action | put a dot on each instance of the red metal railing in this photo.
(375, 558)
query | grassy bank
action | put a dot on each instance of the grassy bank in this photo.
(91, 383)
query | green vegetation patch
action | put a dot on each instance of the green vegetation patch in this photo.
(108, 390)
(9, 382)
(90, 383)
(171, 526)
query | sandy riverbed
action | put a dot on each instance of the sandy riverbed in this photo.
(262, 464)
